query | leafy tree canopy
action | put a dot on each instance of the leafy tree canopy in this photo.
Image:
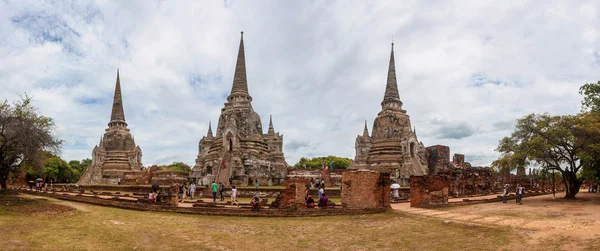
(317, 162)
(24, 133)
(175, 167)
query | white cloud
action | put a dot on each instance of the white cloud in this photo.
(320, 68)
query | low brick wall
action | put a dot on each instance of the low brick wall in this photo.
(201, 191)
(234, 211)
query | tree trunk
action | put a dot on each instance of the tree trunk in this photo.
(2, 183)
(572, 184)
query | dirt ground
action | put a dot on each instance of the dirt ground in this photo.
(556, 223)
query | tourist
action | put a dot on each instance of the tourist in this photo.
(323, 201)
(230, 181)
(152, 196)
(118, 181)
(234, 196)
(321, 191)
(312, 183)
(310, 202)
(520, 191)
(214, 190)
(31, 184)
(505, 193)
(181, 188)
(187, 192)
(255, 202)
(192, 190)
(318, 183)
(395, 191)
(323, 184)
(306, 191)
(256, 182)
(221, 189)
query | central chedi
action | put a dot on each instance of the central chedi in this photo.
(393, 147)
(117, 153)
(240, 152)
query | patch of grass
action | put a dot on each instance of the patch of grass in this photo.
(104, 228)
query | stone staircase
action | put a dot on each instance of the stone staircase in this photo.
(117, 160)
(224, 172)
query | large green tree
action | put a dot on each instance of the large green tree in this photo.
(554, 142)
(590, 132)
(23, 134)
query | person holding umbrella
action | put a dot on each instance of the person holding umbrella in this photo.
(395, 194)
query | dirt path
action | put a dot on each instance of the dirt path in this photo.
(79, 206)
(541, 218)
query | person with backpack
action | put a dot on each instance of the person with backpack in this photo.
(221, 189)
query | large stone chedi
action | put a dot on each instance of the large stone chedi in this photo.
(117, 152)
(393, 146)
(240, 150)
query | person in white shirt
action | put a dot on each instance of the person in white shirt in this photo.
(192, 190)
(234, 196)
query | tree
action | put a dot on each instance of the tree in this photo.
(554, 142)
(318, 162)
(591, 97)
(23, 134)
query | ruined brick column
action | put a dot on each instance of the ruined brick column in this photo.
(292, 196)
(365, 189)
(429, 191)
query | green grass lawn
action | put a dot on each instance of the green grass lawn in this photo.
(103, 228)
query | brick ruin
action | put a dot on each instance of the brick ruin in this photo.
(361, 189)
(393, 146)
(292, 196)
(240, 150)
(463, 179)
(429, 190)
(365, 189)
(117, 152)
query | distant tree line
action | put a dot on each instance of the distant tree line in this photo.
(318, 162)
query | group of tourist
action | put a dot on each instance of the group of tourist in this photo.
(318, 183)
(593, 188)
(519, 191)
(322, 201)
(186, 192)
(39, 184)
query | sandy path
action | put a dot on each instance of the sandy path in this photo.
(542, 217)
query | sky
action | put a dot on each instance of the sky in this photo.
(466, 69)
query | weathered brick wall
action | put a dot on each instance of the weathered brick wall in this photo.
(365, 189)
(429, 191)
(438, 157)
(292, 196)
(459, 160)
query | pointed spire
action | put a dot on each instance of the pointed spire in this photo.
(271, 129)
(415, 130)
(366, 130)
(391, 96)
(117, 114)
(209, 134)
(240, 83)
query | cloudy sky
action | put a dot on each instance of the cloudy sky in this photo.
(466, 70)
